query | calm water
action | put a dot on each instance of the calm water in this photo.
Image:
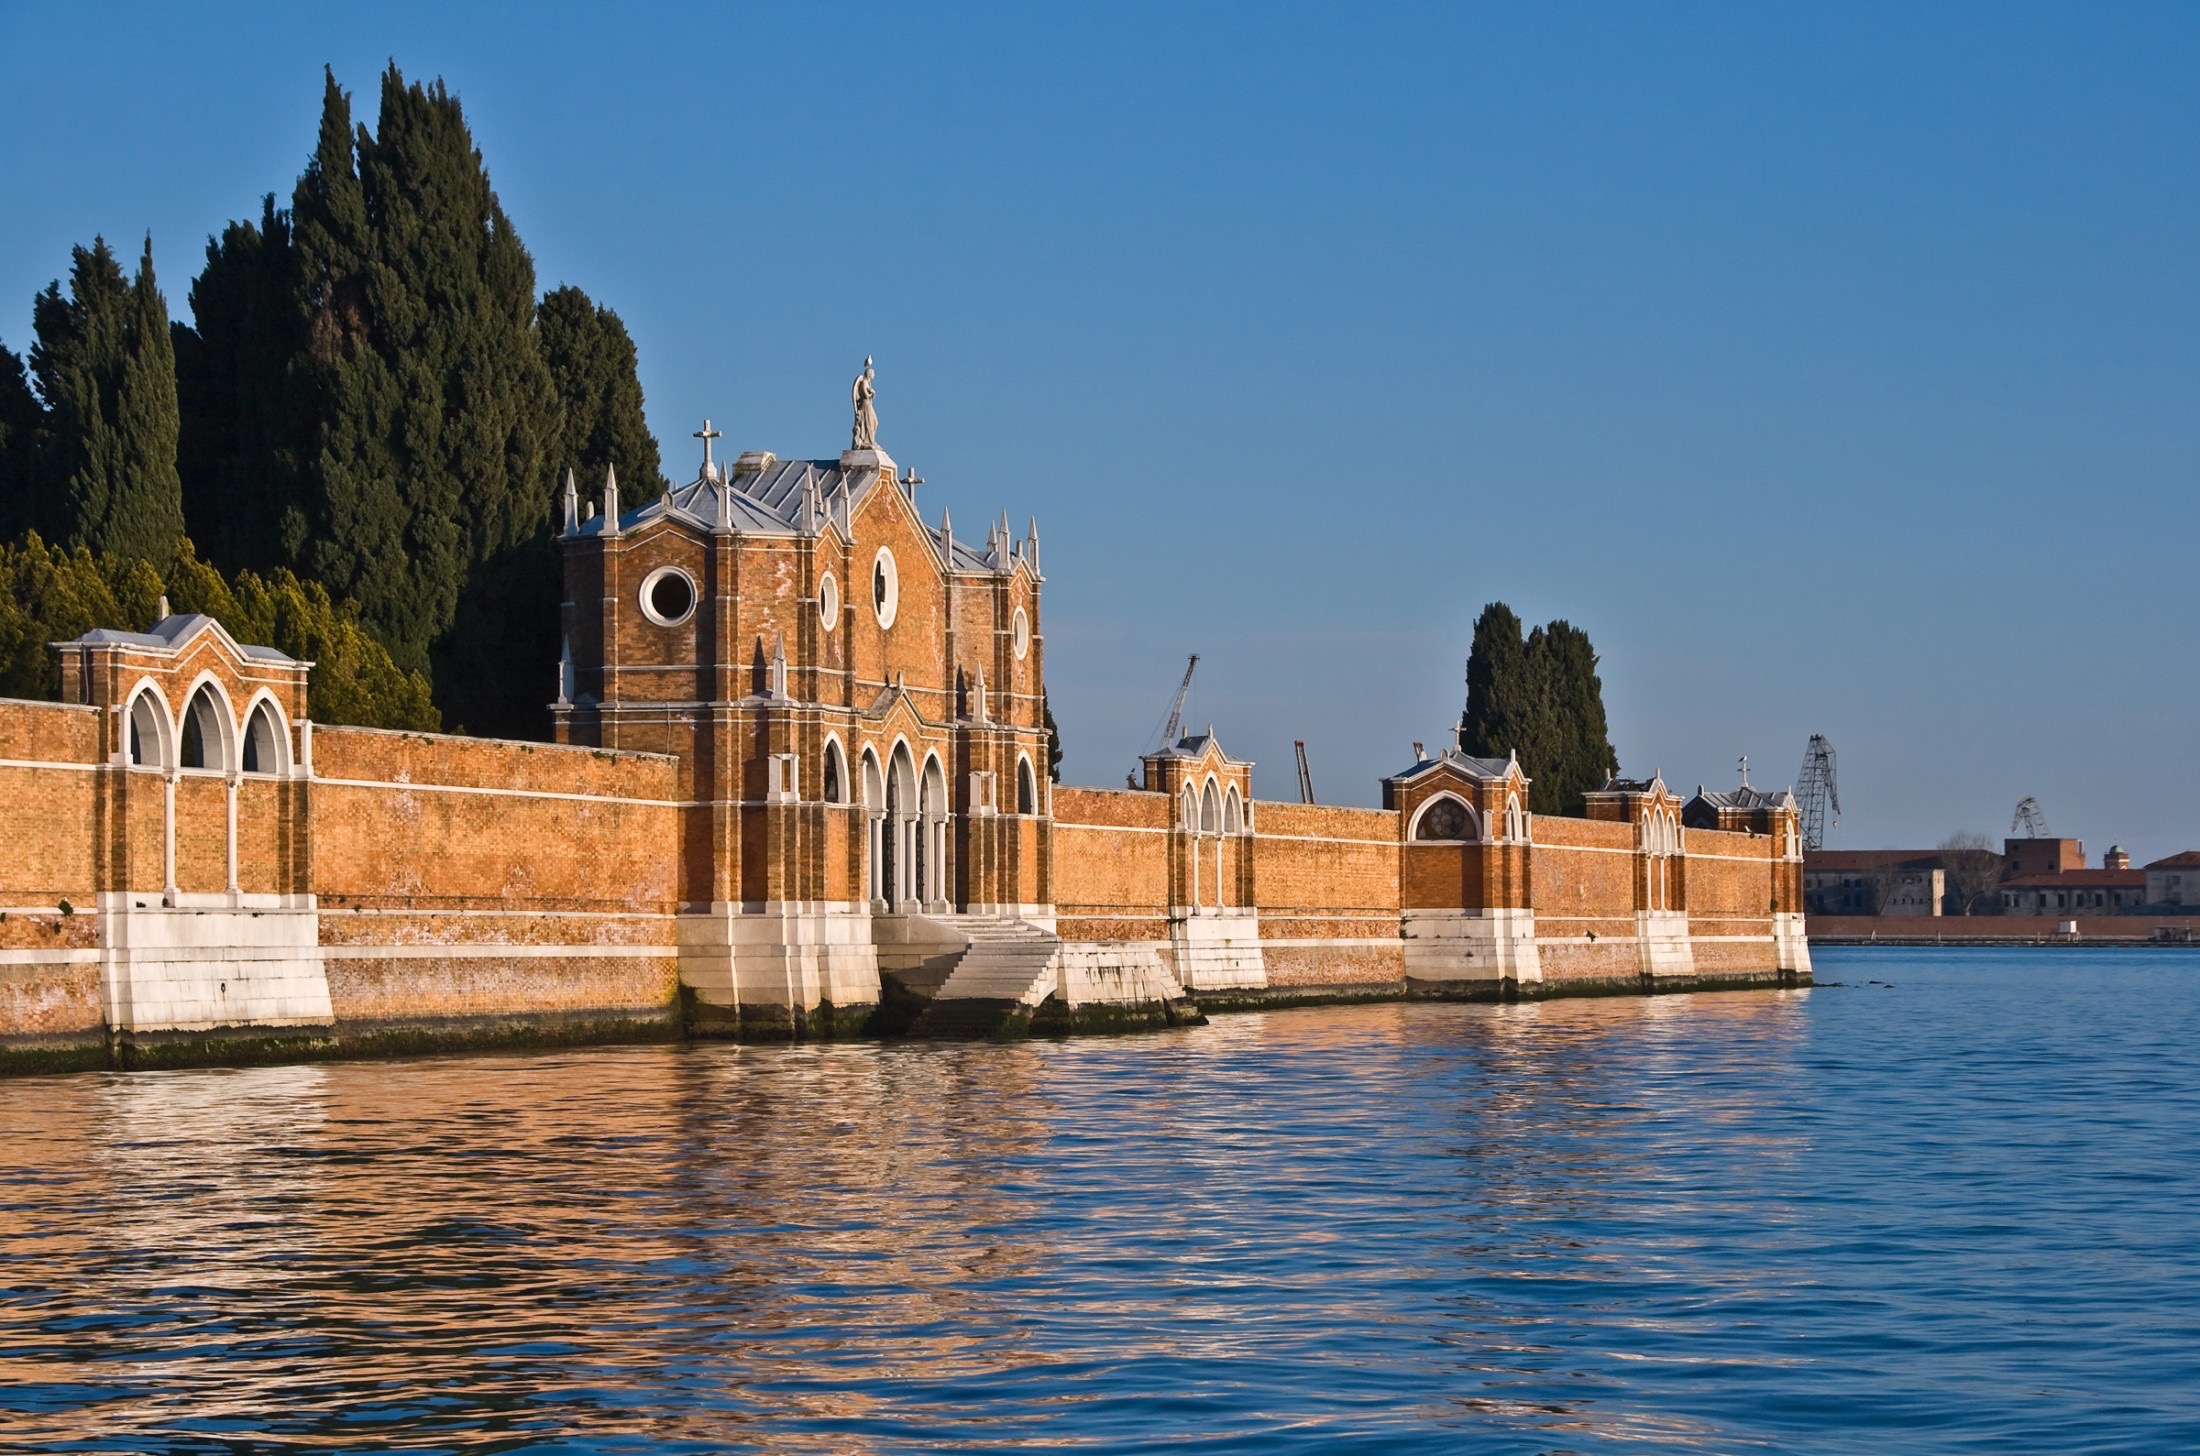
(1952, 1212)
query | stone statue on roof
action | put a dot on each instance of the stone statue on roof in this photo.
(861, 394)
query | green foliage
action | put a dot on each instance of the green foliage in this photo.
(374, 400)
(1054, 740)
(240, 381)
(104, 469)
(594, 371)
(48, 595)
(435, 405)
(1538, 697)
(20, 417)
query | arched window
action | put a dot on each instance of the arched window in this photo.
(1027, 788)
(1232, 818)
(263, 742)
(1191, 808)
(1516, 821)
(205, 743)
(148, 731)
(1444, 818)
(1210, 810)
(834, 774)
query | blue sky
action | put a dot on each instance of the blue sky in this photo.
(1835, 368)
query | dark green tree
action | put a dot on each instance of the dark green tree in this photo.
(1505, 708)
(20, 418)
(239, 380)
(1538, 696)
(594, 371)
(1054, 740)
(105, 471)
(429, 489)
(49, 594)
(1580, 757)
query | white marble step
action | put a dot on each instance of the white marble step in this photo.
(1007, 960)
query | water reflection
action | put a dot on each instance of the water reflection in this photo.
(1584, 1225)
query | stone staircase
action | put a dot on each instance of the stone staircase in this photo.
(948, 975)
(1006, 960)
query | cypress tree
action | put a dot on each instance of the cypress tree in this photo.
(20, 418)
(1054, 739)
(237, 379)
(1581, 757)
(1504, 712)
(106, 370)
(593, 368)
(429, 489)
(1538, 697)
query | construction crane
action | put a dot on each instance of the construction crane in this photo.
(2029, 820)
(1175, 725)
(1819, 792)
(1306, 777)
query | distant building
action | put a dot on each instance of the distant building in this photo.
(2077, 892)
(1873, 882)
(2041, 856)
(2175, 881)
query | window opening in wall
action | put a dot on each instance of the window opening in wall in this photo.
(828, 602)
(1444, 819)
(1020, 635)
(832, 773)
(1027, 791)
(668, 596)
(885, 587)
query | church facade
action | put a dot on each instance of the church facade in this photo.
(799, 786)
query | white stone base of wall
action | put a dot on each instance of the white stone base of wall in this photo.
(1471, 945)
(250, 960)
(1661, 941)
(797, 955)
(1092, 973)
(1217, 950)
(1791, 946)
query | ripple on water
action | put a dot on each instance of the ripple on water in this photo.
(1950, 1211)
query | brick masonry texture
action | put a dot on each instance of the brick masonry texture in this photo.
(788, 748)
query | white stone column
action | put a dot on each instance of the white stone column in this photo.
(232, 885)
(168, 836)
(874, 874)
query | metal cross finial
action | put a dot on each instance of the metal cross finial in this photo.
(1745, 770)
(910, 480)
(706, 435)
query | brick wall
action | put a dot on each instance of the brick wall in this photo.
(49, 831)
(462, 879)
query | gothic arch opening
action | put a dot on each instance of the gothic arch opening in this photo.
(148, 730)
(205, 732)
(264, 740)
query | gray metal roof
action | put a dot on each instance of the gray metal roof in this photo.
(1744, 797)
(1473, 767)
(775, 500)
(168, 634)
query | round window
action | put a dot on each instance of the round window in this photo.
(668, 596)
(885, 587)
(1020, 634)
(828, 601)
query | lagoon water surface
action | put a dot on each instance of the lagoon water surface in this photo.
(1949, 1205)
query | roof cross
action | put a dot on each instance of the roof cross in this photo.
(706, 435)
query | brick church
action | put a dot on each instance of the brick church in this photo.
(799, 786)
